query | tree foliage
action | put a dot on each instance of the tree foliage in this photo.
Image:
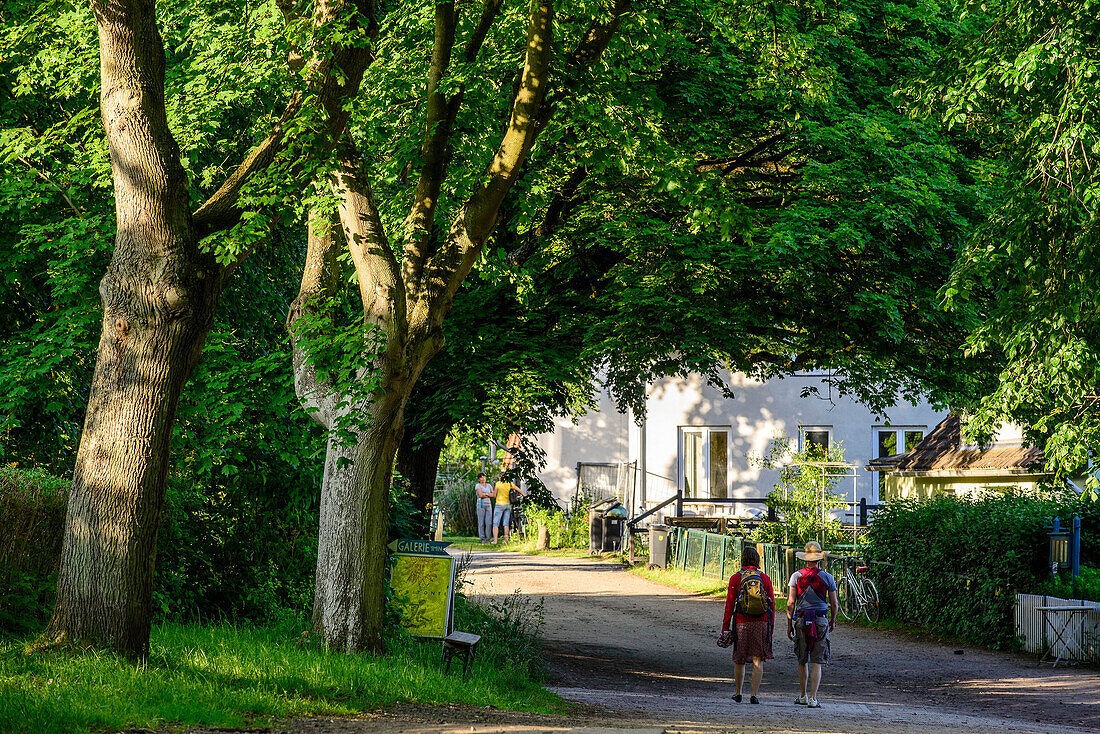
(1022, 77)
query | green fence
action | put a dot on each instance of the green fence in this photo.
(718, 557)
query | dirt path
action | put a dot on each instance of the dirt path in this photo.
(646, 652)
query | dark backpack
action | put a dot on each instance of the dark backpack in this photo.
(751, 598)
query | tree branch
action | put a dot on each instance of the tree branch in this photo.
(421, 219)
(556, 214)
(728, 165)
(380, 286)
(221, 211)
(320, 283)
(440, 119)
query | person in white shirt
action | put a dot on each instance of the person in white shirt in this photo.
(484, 505)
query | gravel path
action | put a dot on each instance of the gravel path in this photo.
(645, 652)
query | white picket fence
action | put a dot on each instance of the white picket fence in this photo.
(1081, 642)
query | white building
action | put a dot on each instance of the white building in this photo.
(709, 446)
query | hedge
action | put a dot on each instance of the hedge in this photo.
(958, 563)
(32, 517)
(242, 553)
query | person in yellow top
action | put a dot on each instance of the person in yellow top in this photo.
(502, 512)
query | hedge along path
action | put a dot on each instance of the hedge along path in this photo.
(647, 650)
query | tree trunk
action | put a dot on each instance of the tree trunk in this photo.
(158, 298)
(348, 602)
(348, 607)
(418, 462)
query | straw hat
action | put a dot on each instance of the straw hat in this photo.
(812, 552)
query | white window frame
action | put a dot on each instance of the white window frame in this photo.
(899, 445)
(681, 452)
(803, 430)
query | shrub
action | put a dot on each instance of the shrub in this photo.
(240, 548)
(457, 504)
(565, 531)
(959, 562)
(32, 518)
(797, 497)
(243, 550)
(510, 627)
(1086, 586)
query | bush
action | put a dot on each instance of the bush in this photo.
(1086, 586)
(243, 550)
(565, 531)
(250, 552)
(510, 628)
(959, 562)
(797, 497)
(457, 504)
(32, 519)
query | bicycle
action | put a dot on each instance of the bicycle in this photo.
(858, 594)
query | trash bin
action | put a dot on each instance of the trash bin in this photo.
(595, 531)
(658, 546)
(612, 533)
(605, 529)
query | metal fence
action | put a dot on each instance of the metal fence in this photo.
(1080, 640)
(715, 556)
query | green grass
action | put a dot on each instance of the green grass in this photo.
(464, 542)
(697, 584)
(236, 676)
(520, 545)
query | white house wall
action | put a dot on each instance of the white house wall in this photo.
(597, 437)
(757, 414)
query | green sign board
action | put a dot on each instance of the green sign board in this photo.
(415, 545)
(422, 582)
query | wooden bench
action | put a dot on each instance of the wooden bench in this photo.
(463, 644)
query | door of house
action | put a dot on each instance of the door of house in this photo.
(704, 461)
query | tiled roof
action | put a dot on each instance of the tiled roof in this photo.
(939, 451)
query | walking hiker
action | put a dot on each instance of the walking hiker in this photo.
(751, 597)
(484, 505)
(811, 613)
(502, 512)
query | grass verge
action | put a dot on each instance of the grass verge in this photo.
(234, 676)
(699, 585)
(521, 545)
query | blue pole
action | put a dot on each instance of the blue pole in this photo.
(1075, 548)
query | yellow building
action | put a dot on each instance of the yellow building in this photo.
(942, 464)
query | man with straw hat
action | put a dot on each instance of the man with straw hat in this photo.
(811, 612)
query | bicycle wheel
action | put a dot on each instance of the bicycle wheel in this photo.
(848, 597)
(871, 607)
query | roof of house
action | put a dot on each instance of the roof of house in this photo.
(940, 451)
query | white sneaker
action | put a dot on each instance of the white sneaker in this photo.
(802, 700)
(812, 703)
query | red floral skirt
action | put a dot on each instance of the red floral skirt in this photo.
(754, 640)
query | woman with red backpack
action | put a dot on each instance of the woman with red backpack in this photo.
(751, 598)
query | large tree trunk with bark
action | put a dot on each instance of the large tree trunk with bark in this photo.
(351, 545)
(158, 298)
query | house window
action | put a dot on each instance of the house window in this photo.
(893, 440)
(704, 462)
(815, 441)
